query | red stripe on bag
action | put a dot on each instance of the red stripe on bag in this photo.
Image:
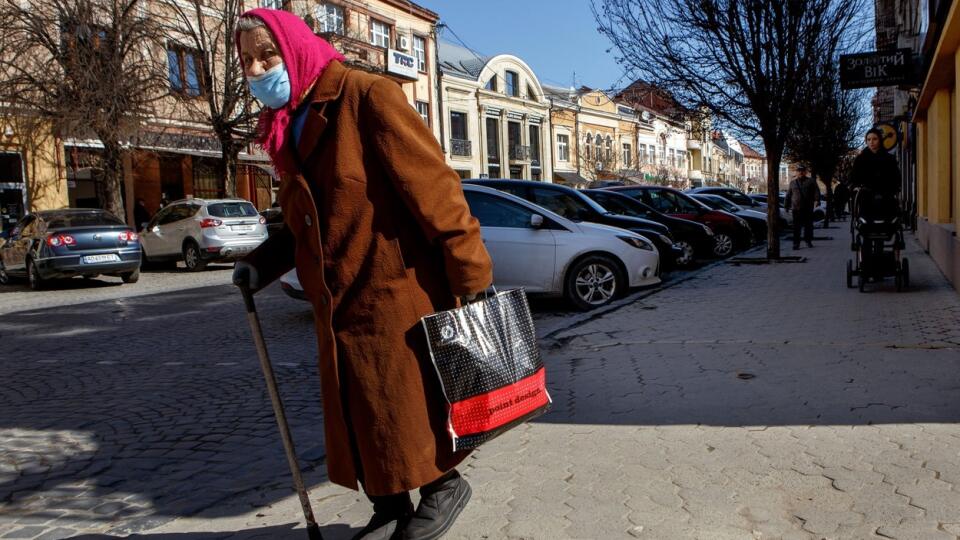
(498, 407)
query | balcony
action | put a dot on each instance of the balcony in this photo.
(461, 147)
(519, 152)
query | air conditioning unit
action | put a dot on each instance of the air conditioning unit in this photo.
(403, 43)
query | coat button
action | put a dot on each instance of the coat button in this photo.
(308, 220)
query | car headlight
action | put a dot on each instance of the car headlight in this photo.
(638, 243)
(743, 223)
(707, 230)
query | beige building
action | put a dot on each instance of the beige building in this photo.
(495, 119)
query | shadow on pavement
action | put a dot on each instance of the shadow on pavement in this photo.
(290, 531)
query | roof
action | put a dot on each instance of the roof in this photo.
(749, 152)
(460, 61)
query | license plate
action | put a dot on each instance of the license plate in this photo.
(241, 228)
(110, 257)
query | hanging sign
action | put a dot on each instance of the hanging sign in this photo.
(867, 70)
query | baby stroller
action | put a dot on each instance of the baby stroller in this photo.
(876, 230)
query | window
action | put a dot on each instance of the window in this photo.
(329, 18)
(563, 147)
(183, 71)
(207, 183)
(513, 84)
(651, 154)
(562, 203)
(627, 157)
(420, 53)
(609, 149)
(492, 211)
(641, 153)
(458, 125)
(673, 158)
(587, 147)
(598, 142)
(534, 142)
(379, 33)
(493, 141)
(232, 209)
(272, 4)
(492, 84)
(424, 109)
(493, 171)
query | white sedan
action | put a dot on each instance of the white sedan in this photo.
(544, 253)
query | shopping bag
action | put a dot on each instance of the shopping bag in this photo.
(488, 361)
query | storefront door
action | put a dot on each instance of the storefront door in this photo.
(12, 190)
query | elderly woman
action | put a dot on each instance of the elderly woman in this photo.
(378, 229)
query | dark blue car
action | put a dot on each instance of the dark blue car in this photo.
(68, 243)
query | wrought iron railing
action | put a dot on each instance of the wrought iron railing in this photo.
(519, 152)
(461, 147)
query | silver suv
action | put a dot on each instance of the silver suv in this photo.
(199, 231)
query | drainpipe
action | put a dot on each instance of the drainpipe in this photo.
(553, 139)
(436, 56)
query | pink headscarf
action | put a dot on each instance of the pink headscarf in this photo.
(305, 56)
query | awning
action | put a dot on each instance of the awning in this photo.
(570, 178)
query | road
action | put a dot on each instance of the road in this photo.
(752, 401)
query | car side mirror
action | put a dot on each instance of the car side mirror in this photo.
(155, 229)
(536, 221)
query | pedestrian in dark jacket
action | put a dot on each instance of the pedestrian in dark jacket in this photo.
(875, 168)
(141, 216)
(379, 231)
(803, 195)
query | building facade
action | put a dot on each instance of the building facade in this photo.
(495, 116)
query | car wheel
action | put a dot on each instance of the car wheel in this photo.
(131, 277)
(849, 274)
(4, 276)
(861, 281)
(593, 282)
(33, 276)
(191, 257)
(722, 244)
(687, 253)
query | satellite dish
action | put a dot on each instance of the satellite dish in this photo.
(646, 116)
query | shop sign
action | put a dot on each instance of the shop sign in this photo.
(868, 70)
(402, 65)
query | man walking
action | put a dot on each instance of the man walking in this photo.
(802, 197)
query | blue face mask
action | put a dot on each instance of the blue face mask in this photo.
(272, 87)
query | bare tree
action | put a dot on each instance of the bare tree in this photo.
(224, 99)
(743, 61)
(90, 68)
(825, 136)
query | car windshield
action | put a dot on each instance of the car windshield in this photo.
(81, 219)
(232, 209)
(615, 205)
(725, 205)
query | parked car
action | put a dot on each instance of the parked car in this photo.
(200, 231)
(576, 206)
(819, 213)
(741, 199)
(547, 254)
(69, 243)
(730, 232)
(273, 219)
(694, 239)
(756, 220)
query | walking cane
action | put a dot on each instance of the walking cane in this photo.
(313, 530)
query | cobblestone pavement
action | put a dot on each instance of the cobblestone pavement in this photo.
(68, 292)
(753, 401)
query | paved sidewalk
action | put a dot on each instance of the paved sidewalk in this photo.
(755, 401)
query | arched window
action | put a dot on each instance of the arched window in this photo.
(492, 84)
(598, 140)
(609, 148)
(587, 147)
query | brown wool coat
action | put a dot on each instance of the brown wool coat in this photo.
(389, 240)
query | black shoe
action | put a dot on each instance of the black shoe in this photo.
(809, 244)
(440, 503)
(390, 516)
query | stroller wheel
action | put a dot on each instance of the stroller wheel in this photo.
(849, 274)
(862, 281)
(905, 272)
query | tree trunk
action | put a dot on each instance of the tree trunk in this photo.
(228, 168)
(111, 194)
(773, 204)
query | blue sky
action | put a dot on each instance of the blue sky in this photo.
(554, 37)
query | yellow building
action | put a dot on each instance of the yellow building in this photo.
(937, 118)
